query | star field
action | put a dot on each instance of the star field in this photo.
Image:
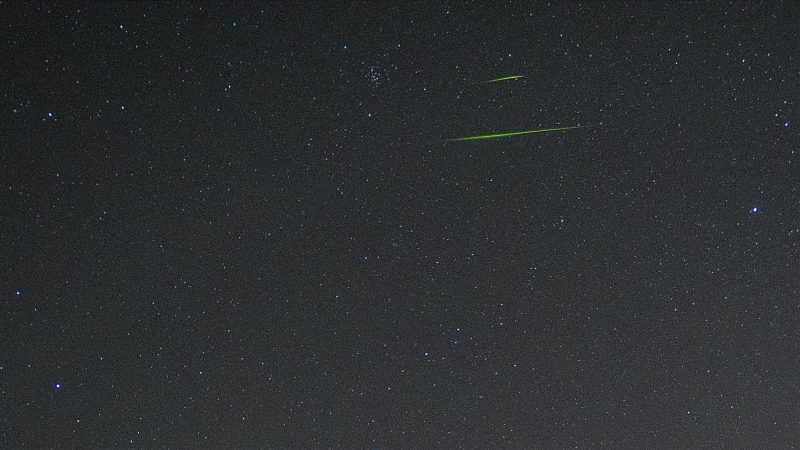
(247, 226)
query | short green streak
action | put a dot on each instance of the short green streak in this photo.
(515, 133)
(512, 77)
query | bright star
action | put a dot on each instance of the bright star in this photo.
(58, 386)
(19, 293)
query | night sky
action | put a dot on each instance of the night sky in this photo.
(246, 226)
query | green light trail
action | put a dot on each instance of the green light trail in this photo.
(512, 77)
(514, 133)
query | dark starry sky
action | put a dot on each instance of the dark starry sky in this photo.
(242, 226)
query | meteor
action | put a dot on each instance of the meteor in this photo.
(512, 77)
(515, 133)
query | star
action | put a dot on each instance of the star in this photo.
(755, 210)
(19, 293)
(58, 386)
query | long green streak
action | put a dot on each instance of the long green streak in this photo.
(512, 77)
(515, 133)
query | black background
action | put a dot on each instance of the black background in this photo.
(242, 226)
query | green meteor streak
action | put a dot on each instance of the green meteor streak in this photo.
(512, 77)
(514, 133)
